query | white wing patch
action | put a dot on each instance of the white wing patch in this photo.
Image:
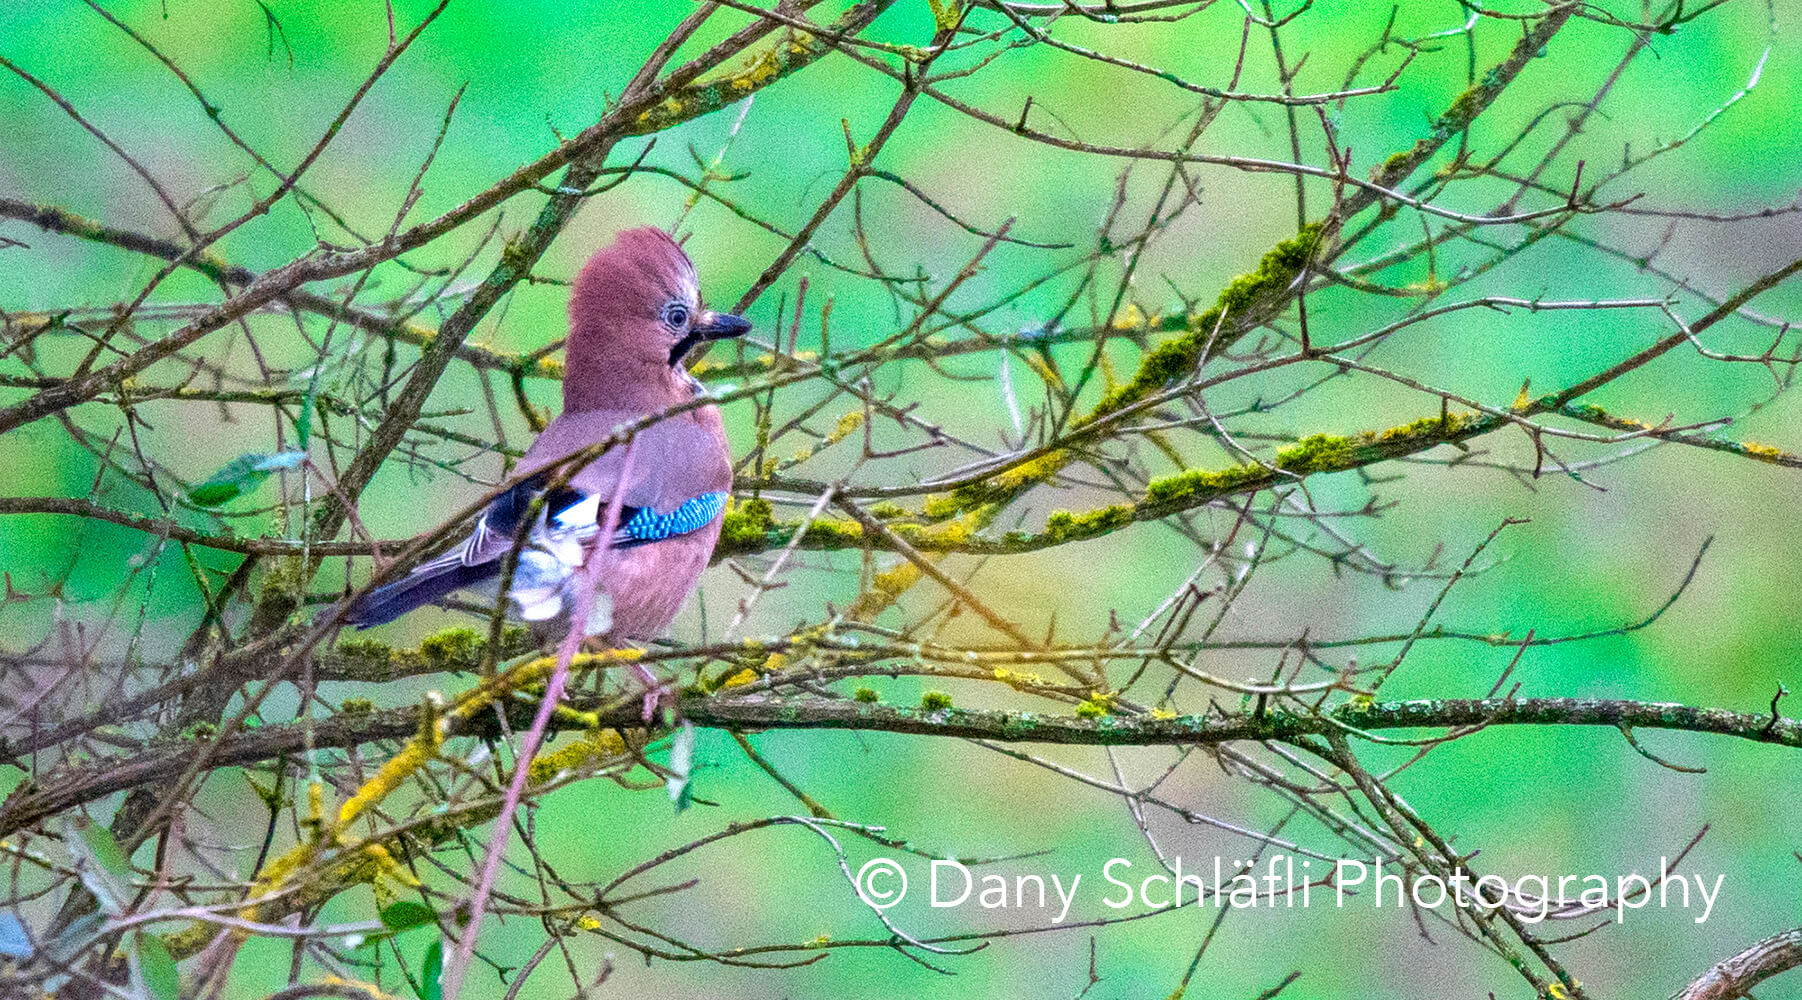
(584, 513)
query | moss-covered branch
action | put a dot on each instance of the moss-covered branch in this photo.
(450, 651)
(750, 526)
(1464, 109)
(1599, 417)
(56, 792)
(1255, 298)
(792, 50)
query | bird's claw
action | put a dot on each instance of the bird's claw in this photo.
(655, 697)
(657, 693)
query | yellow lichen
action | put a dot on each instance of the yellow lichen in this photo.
(595, 745)
(1096, 705)
(1018, 680)
(399, 768)
(848, 423)
(762, 69)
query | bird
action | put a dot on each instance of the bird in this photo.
(635, 311)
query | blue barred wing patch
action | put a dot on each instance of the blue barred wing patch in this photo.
(646, 525)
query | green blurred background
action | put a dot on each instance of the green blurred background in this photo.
(1532, 800)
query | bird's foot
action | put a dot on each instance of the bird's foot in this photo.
(657, 693)
(661, 696)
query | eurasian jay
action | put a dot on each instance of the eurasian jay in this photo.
(634, 312)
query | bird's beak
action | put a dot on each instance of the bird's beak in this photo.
(712, 325)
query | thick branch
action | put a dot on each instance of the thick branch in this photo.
(1733, 977)
(55, 793)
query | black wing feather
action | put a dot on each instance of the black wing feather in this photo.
(475, 562)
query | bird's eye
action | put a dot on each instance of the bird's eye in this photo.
(675, 315)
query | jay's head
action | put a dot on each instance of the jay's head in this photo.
(634, 313)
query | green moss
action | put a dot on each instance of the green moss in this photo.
(838, 530)
(454, 649)
(750, 525)
(746, 524)
(1315, 453)
(997, 488)
(1200, 484)
(278, 596)
(1275, 272)
(357, 705)
(1244, 301)
(1091, 709)
(1063, 525)
(939, 537)
(1332, 453)
(787, 55)
(890, 584)
(1463, 110)
(935, 701)
(1318, 453)
(1424, 429)
(366, 651)
(515, 256)
(887, 510)
(866, 695)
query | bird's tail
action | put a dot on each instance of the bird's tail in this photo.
(424, 585)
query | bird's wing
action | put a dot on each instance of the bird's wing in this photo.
(678, 481)
(499, 524)
(471, 563)
(640, 525)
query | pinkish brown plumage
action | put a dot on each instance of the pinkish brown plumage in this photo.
(619, 293)
(634, 313)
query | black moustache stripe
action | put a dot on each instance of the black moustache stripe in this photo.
(690, 339)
